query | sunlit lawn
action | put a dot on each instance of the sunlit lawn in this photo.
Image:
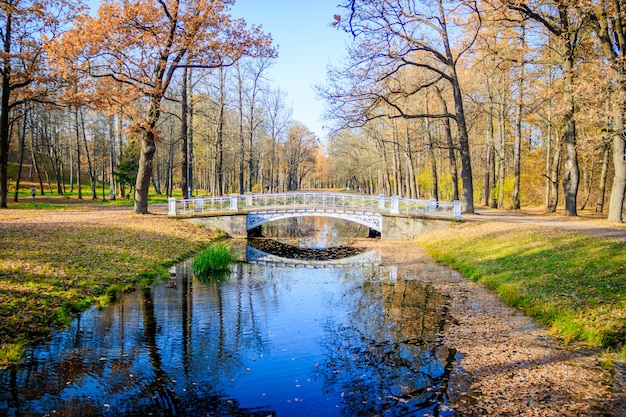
(56, 263)
(573, 283)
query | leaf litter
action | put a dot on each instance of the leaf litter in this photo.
(509, 365)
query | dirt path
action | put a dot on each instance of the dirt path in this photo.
(585, 223)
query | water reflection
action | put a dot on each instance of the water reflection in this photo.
(314, 232)
(266, 340)
(269, 251)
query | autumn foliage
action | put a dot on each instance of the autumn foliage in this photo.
(131, 51)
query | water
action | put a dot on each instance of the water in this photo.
(266, 340)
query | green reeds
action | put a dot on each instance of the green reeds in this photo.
(215, 259)
(11, 353)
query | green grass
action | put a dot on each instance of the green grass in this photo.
(216, 258)
(37, 205)
(572, 283)
(25, 200)
(53, 267)
(11, 353)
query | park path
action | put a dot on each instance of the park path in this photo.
(584, 223)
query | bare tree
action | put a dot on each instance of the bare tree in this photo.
(392, 36)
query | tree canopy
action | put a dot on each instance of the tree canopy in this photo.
(133, 48)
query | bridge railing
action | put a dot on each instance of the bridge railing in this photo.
(323, 201)
(314, 201)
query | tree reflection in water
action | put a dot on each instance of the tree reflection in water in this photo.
(314, 232)
(385, 358)
(265, 340)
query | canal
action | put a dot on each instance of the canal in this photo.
(340, 331)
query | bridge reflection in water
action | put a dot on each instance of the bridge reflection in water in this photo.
(272, 252)
(264, 340)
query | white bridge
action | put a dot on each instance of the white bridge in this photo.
(367, 210)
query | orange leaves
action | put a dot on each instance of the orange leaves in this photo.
(142, 42)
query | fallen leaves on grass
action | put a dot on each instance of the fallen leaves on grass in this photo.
(55, 263)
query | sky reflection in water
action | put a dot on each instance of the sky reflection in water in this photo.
(265, 341)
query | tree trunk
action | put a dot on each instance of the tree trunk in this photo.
(144, 173)
(90, 168)
(220, 136)
(35, 165)
(571, 173)
(78, 162)
(184, 152)
(554, 178)
(451, 148)
(5, 108)
(492, 169)
(489, 156)
(603, 177)
(587, 180)
(21, 156)
(433, 162)
(502, 155)
(548, 156)
(397, 176)
(410, 164)
(517, 158)
(146, 157)
(464, 148)
(618, 191)
(190, 134)
(112, 157)
(242, 144)
(466, 159)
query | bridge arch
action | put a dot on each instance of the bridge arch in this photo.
(387, 217)
(373, 221)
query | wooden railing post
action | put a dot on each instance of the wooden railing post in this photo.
(233, 203)
(171, 206)
(456, 211)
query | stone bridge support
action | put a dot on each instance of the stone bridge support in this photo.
(233, 225)
(407, 228)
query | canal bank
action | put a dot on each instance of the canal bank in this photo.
(578, 387)
(510, 365)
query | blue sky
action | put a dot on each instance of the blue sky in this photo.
(307, 44)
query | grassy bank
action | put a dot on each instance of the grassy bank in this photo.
(56, 263)
(575, 284)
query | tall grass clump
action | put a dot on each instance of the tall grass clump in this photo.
(216, 258)
(11, 353)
